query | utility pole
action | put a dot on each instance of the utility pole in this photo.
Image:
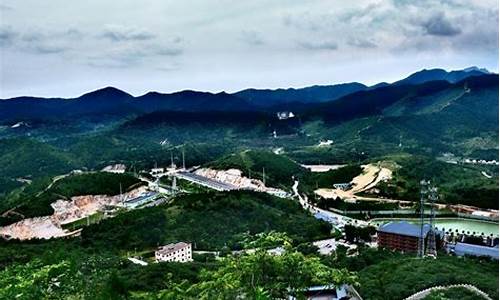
(424, 187)
(264, 176)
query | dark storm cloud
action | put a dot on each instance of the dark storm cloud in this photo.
(118, 33)
(438, 24)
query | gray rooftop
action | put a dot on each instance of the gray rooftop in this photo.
(207, 181)
(476, 250)
(172, 247)
(141, 197)
(403, 228)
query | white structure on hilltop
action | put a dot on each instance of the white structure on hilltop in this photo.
(117, 169)
(283, 115)
(156, 171)
(178, 252)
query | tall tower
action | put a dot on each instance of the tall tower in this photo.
(431, 247)
(172, 160)
(424, 187)
(264, 176)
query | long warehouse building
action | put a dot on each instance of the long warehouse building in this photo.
(207, 182)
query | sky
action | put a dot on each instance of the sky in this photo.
(61, 48)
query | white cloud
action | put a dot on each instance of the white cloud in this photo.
(119, 33)
(227, 44)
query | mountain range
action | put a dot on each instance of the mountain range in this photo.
(111, 101)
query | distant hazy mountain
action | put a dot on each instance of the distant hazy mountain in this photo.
(440, 74)
(192, 101)
(114, 102)
(313, 94)
(325, 93)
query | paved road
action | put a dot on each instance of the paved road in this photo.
(335, 219)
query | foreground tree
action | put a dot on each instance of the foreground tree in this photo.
(264, 276)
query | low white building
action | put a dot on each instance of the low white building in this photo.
(155, 171)
(178, 252)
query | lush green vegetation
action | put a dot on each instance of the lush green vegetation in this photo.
(356, 234)
(457, 183)
(209, 221)
(265, 276)
(409, 275)
(409, 125)
(92, 267)
(80, 274)
(27, 158)
(65, 268)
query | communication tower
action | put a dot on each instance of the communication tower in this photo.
(431, 247)
(424, 188)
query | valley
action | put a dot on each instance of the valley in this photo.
(303, 177)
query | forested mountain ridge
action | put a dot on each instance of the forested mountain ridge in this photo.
(112, 102)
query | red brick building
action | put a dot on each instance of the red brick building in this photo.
(401, 236)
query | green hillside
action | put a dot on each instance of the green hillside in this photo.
(95, 266)
(409, 275)
(209, 220)
(457, 183)
(28, 158)
(430, 119)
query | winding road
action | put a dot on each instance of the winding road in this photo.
(335, 219)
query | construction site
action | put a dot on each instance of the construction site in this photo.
(70, 215)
